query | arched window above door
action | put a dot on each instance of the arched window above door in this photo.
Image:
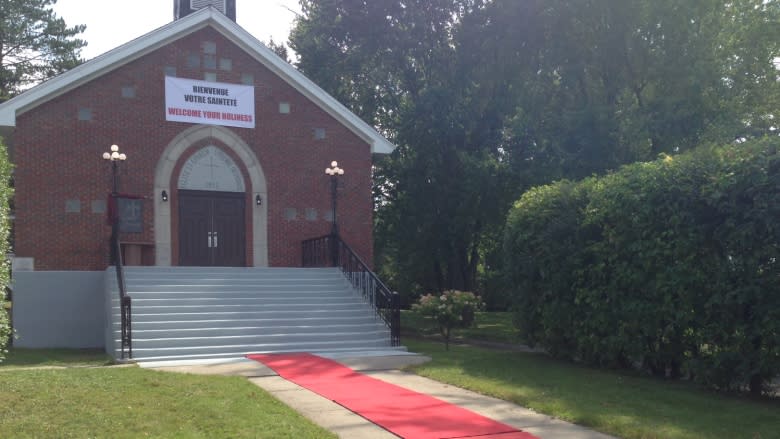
(211, 169)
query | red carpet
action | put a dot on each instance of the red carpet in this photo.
(403, 412)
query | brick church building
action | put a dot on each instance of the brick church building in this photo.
(226, 148)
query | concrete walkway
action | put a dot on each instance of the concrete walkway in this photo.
(347, 424)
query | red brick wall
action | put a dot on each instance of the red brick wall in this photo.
(58, 158)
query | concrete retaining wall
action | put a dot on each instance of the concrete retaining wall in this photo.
(59, 309)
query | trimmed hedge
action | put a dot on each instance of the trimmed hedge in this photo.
(670, 267)
(5, 224)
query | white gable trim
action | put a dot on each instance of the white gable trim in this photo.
(175, 30)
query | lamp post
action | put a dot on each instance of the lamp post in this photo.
(334, 171)
(114, 157)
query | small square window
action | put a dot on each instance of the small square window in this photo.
(290, 214)
(98, 206)
(248, 79)
(72, 206)
(85, 113)
(209, 47)
(193, 60)
(170, 71)
(319, 133)
(226, 64)
(311, 214)
(210, 77)
(128, 92)
(210, 62)
(284, 107)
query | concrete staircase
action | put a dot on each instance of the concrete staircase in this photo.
(186, 313)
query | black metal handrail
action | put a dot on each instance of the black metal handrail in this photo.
(332, 251)
(125, 303)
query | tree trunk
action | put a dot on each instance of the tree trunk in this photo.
(756, 384)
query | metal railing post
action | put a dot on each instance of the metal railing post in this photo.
(334, 249)
(395, 327)
(330, 250)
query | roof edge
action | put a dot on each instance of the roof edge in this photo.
(157, 38)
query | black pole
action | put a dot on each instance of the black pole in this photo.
(333, 194)
(115, 212)
(334, 232)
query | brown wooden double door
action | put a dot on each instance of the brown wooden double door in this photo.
(212, 229)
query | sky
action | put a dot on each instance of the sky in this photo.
(111, 23)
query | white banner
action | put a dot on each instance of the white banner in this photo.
(211, 103)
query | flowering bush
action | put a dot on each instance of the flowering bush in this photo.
(452, 309)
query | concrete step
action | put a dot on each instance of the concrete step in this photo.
(186, 312)
(261, 314)
(263, 324)
(213, 302)
(332, 352)
(227, 286)
(218, 276)
(150, 308)
(250, 295)
(255, 339)
(230, 331)
(147, 354)
(177, 270)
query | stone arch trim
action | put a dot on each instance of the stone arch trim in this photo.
(166, 165)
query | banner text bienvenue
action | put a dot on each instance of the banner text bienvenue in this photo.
(211, 103)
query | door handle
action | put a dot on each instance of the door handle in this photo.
(212, 240)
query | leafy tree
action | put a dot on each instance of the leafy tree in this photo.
(279, 49)
(5, 224)
(486, 98)
(35, 44)
(607, 82)
(396, 65)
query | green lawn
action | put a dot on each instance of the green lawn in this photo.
(625, 406)
(134, 402)
(130, 402)
(488, 326)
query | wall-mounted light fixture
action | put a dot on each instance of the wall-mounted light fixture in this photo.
(258, 200)
(164, 196)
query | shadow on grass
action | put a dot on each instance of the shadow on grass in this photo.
(488, 326)
(22, 357)
(623, 405)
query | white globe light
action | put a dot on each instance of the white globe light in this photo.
(329, 171)
(122, 156)
(114, 155)
(114, 148)
(334, 163)
(107, 155)
(341, 171)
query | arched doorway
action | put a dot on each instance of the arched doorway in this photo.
(166, 213)
(211, 200)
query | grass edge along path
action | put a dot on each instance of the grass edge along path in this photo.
(132, 402)
(626, 406)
